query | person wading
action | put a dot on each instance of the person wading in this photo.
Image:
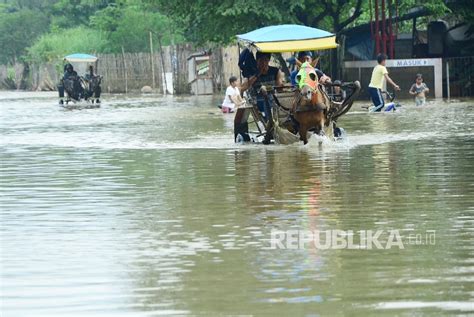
(379, 73)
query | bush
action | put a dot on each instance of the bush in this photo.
(54, 46)
(129, 27)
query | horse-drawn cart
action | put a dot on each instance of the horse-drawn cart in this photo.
(291, 113)
(76, 91)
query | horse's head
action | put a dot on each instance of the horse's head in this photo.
(94, 82)
(307, 76)
(307, 81)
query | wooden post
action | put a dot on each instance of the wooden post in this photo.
(447, 80)
(165, 91)
(340, 56)
(125, 70)
(152, 61)
(238, 58)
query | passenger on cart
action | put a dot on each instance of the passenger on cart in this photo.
(308, 57)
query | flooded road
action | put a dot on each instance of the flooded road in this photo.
(146, 207)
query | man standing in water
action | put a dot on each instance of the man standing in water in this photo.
(376, 83)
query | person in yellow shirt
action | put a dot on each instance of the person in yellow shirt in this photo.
(376, 82)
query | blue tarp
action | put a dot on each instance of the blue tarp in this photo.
(285, 32)
(80, 57)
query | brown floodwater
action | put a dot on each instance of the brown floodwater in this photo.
(146, 207)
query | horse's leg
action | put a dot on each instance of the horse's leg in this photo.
(321, 124)
(97, 91)
(304, 133)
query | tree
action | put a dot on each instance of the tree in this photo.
(219, 21)
(74, 13)
(18, 29)
(128, 26)
(464, 11)
(41, 5)
(335, 15)
(212, 21)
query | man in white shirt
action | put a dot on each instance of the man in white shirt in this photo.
(232, 97)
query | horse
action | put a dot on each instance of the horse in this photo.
(73, 87)
(92, 87)
(310, 105)
(312, 109)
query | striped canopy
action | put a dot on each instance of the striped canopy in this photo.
(79, 57)
(289, 38)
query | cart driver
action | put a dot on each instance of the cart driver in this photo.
(71, 82)
(69, 72)
(267, 76)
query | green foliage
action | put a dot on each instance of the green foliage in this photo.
(11, 73)
(73, 13)
(42, 5)
(105, 26)
(208, 21)
(54, 46)
(129, 26)
(464, 10)
(18, 29)
(435, 8)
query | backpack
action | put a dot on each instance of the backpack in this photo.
(247, 63)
